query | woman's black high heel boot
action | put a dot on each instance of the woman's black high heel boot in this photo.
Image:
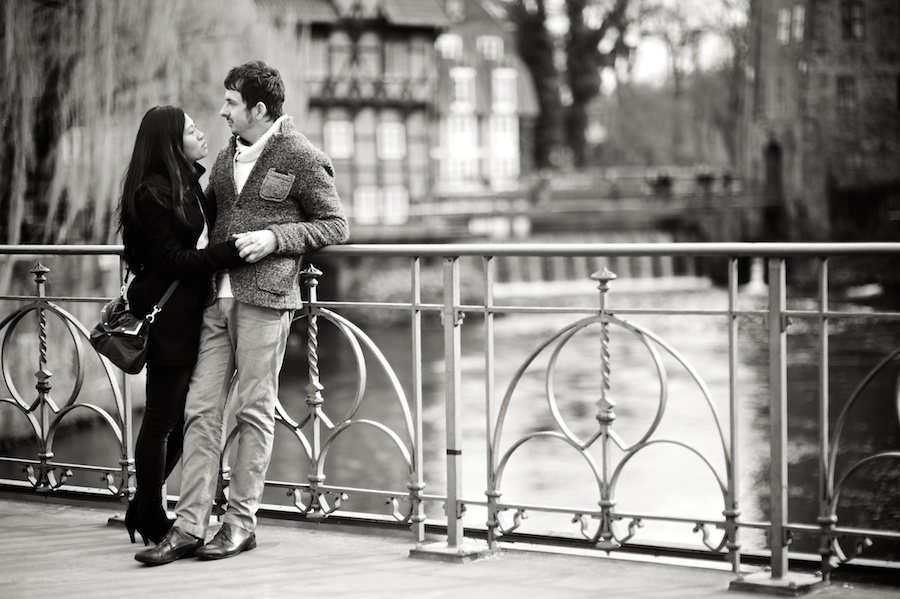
(152, 521)
(148, 519)
(131, 519)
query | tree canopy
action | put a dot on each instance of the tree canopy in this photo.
(78, 77)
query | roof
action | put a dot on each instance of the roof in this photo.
(404, 13)
(305, 11)
(415, 13)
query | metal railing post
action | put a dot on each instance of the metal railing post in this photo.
(827, 521)
(417, 484)
(129, 477)
(452, 380)
(778, 479)
(455, 548)
(732, 509)
(779, 579)
(493, 518)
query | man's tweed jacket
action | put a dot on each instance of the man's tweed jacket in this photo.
(291, 192)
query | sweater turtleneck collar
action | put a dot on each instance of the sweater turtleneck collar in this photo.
(249, 153)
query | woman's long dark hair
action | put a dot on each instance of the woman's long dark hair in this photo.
(159, 170)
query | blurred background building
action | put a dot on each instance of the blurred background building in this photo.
(823, 115)
(459, 120)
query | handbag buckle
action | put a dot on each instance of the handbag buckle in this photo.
(152, 315)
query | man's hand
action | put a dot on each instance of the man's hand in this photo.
(253, 246)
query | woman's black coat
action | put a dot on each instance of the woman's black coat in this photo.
(168, 252)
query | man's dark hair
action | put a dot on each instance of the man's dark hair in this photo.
(258, 82)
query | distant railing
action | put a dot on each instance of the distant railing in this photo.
(610, 440)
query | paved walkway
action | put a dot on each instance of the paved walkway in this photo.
(53, 550)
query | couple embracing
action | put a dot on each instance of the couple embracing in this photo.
(236, 252)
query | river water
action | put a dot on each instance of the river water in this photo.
(664, 479)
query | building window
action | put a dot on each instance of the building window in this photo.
(456, 10)
(781, 91)
(853, 20)
(504, 132)
(317, 67)
(391, 138)
(490, 47)
(462, 134)
(504, 172)
(846, 94)
(462, 89)
(504, 90)
(461, 172)
(761, 100)
(366, 205)
(368, 54)
(339, 139)
(450, 46)
(783, 34)
(340, 49)
(396, 205)
(799, 21)
(421, 56)
(396, 59)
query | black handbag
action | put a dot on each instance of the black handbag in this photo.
(123, 337)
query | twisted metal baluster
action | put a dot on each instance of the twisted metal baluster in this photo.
(45, 479)
(605, 417)
(318, 506)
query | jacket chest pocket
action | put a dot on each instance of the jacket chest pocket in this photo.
(276, 186)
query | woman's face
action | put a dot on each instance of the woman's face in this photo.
(195, 147)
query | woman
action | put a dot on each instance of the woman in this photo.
(165, 221)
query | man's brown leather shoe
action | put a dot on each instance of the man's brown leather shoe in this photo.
(228, 542)
(175, 545)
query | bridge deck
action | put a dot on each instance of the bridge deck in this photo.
(56, 550)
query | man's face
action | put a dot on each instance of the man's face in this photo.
(235, 112)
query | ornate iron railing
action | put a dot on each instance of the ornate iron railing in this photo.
(604, 449)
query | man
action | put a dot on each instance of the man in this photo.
(269, 180)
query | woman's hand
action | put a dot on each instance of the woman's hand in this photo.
(253, 246)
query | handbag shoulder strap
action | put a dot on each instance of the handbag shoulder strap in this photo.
(162, 302)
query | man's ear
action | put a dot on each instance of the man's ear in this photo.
(263, 110)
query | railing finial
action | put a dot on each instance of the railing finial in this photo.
(40, 277)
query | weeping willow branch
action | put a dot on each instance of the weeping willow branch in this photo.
(79, 75)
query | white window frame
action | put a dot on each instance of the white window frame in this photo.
(504, 89)
(395, 205)
(338, 138)
(504, 135)
(462, 89)
(783, 33)
(798, 22)
(462, 134)
(490, 47)
(390, 137)
(450, 46)
(461, 171)
(504, 172)
(367, 205)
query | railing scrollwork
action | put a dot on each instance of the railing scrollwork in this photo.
(44, 415)
(607, 473)
(604, 439)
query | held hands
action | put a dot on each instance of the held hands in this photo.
(253, 246)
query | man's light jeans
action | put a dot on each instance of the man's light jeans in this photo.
(246, 341)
